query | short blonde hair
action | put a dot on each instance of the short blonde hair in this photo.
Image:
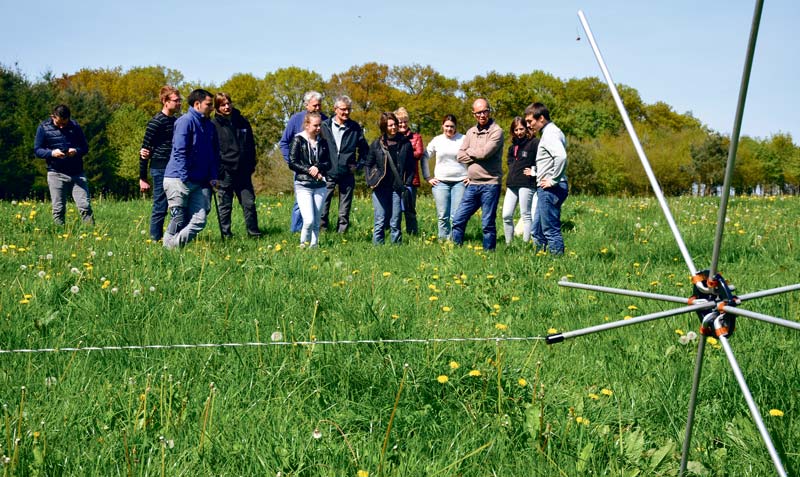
(402, 114)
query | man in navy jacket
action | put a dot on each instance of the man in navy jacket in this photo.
(60, 141)
(191, 171)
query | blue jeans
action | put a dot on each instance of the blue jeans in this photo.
(484, 197)
(189, 205)
(159, 205)
(62, 184)
(447, 196)
(387, 204)
(547, 220)
(297, 218)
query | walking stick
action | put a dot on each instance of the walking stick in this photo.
(216, 207)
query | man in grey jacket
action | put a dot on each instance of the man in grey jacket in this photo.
(551, 170)
(348, 149)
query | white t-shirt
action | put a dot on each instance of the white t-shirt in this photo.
(445, 149)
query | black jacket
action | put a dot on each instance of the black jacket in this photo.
(379, 173)
(521, 154)
(237, 148)
(301, 159)
(352, 152)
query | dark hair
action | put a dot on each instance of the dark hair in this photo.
(218, 99)
(198, 95)
(537, 110)
(385, 117)
(518, 121)
(450, 117)
(62, 111)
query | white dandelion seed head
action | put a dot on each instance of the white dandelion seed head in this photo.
(93, 253)
(50, 381)
(684, 340)
(137, 292)
(152, 288)
(276, 336)
(42, 273)
(23, 267)
(49, 256)
(317, 434)
(74, 289)
(142, 232)
(13, 202)
(691, 335)
(110, 253)
(114, 290)
(74, 271)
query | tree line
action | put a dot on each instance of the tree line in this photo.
(113, 106)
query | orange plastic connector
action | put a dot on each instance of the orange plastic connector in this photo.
(698, 278)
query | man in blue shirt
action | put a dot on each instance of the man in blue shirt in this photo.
(312, 101)
(191, 172)
(60, 141)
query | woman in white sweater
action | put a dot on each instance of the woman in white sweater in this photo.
(450, 176)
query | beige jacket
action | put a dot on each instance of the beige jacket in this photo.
(482, 153)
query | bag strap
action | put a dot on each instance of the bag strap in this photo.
(397, 178)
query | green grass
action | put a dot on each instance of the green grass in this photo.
(612, 403)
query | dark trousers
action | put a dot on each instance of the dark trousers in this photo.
(346, 184)
(240, 185)
(410, 213)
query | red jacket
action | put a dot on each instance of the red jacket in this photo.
(419, 152)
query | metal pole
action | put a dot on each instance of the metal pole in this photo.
(620, 291)
(638, 146)
(559, 337)
(761, 317)
(776, 460)
(216, 207)
(772, 291)
(687, 438)
(737, 123)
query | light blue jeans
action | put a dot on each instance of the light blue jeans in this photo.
(310, 201)
(60, 186)
(526, 196)
(189, 205)
(387, 205)
(447, 195)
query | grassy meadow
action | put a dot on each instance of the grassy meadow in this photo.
(611, 403)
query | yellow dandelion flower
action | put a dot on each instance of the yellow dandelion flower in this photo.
(433, 298)
(387, 274)
(627, 317)
(679, 332)
(106, 284)
(594, 396)
(712, 341)
(604, 250)
(501, 326)
(446, 309)
(454, 365)
(496, 306)
(24, 301)
(522, 382)
(463, 276)
(551, 331)
(362, 473)
(475, 373)
(435, 277)
(514, 298)
(582, 420)
(633, 307)
(490, 276)
(776, 413)
(278, 247)
(606, 392)
(394, 317)
(442, 378)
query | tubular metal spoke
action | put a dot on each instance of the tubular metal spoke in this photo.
(622, 291)
(761, 317)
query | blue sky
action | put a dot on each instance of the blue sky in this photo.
(686, 53)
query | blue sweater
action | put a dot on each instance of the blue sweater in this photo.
(195, 149)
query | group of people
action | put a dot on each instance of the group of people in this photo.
(196, 155)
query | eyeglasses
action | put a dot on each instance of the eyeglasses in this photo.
(345, 109)
(485, 112)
